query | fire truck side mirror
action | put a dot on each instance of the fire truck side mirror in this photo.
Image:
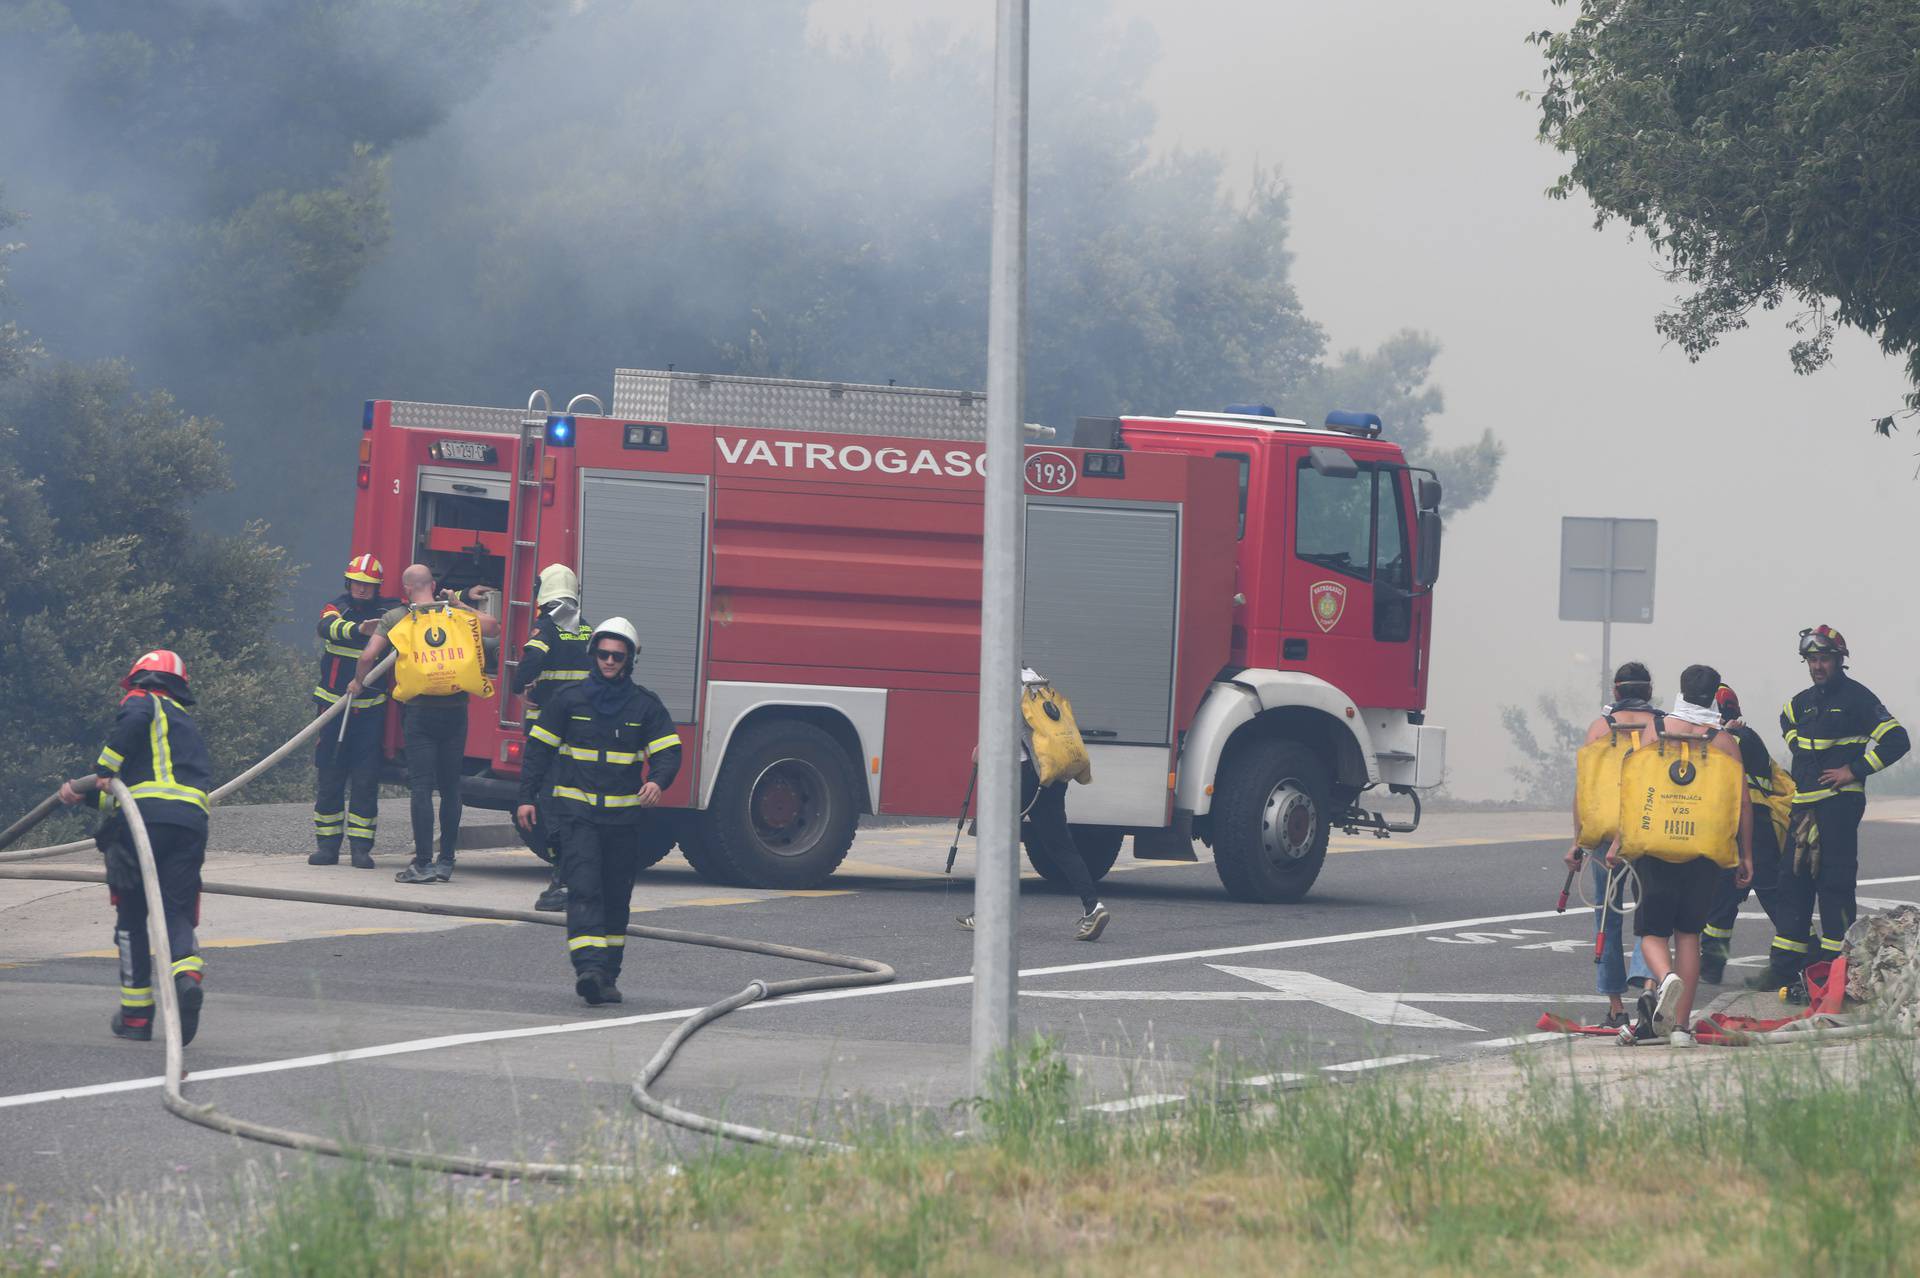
(1426, 494)
(1427, 567)
(1334, 463)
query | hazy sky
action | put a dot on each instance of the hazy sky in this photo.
(1417, 201)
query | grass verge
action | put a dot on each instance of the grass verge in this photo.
(1777, 1163)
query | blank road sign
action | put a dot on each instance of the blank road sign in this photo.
(1606, 569)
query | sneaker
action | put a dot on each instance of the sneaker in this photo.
(1616, 1020)
(1092, 924)
(362, 856)
(554, 899)
(1681, 1038)
(1639, 1026)
(324, 856)
(966, 922)
(416, 873)
(186, 987)
(139, 1029)
(443, 871)
(596, 988)
(1671, 988)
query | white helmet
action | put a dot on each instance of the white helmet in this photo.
(620, 628)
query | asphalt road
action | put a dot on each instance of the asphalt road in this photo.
(469, 1037)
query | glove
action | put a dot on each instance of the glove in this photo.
(1804, 835)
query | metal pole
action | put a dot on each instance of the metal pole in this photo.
(996, 890)
(1606, 623)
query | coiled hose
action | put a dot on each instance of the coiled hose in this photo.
(855, 972)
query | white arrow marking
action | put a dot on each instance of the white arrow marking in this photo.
(1486, 938)
(1570, 946)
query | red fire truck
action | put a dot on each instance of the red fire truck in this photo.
(1238, 604)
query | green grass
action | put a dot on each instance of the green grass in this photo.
(1774, 1161)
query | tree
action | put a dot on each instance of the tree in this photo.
(99, 561)
(1545, 770)
(1769, 149)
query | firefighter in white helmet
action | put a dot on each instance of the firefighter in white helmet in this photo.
(346, 623)
(611, 749)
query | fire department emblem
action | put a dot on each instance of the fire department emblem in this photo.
(1329, 601)
(436, 637)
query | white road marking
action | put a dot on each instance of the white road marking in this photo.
(1571, 946)
(1519, 1040)
(1377, 1062)
(1487, 938)
(1150, 1101)
(904, 987)
(1282, 1079)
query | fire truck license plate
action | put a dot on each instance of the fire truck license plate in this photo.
(463, 450)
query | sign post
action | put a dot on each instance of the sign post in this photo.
(1606, 575)
(996, 881)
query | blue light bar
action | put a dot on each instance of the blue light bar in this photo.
(1251, 410)
(1353, 423)
(560, 432)
(366, 416)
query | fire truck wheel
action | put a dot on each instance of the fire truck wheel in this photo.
(783, 809)
(1099, 847)
(1271, 814)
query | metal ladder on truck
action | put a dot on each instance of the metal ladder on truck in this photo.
(523, 574)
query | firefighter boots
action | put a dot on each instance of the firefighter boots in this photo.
(137, 1028)
(187, 987)
(554, 899)
(362, 854)
(597, 988)
(1714, 951)
(328, 853)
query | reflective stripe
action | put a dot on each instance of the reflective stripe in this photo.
(596, 800)
(599, 756)
(109, 759)
(1872, 759)
(163, 790)
(160, 743)
(1787, 713)
(618, 942)
(136, 996)
(661, 743)
(191, 963)
(318, 817)
(360, 822)
(322, 827)
(1828, 943)
(1791, 947)
(541, 735)
(359, 703)
(554, 676)
(1814, 796)
(1830, 743)
(1885, 727)
(341, 650)
(1721, 933)
(586, 942)
(535, 645)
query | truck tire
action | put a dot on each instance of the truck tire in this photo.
(784, 807)
(1099, 847)
(1272, 813)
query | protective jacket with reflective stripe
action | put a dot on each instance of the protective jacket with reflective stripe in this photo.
(1838, 724)
(156, 749)
(598, 762)
(552, 659)
(341, 644)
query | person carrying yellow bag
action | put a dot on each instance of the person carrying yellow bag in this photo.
(440, 666)
(1770, 790)
(1684, 814)
(1596, 823)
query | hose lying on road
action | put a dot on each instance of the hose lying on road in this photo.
(857, 972)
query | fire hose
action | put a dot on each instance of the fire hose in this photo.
(854, 972)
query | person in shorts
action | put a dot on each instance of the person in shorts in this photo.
(1676, 897)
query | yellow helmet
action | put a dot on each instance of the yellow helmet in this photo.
(365, 568)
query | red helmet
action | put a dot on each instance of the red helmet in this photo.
(160, 661)
(1727, 702)
(366, 568)
(1823, 639)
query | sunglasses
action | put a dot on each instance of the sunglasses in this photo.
(609, 654)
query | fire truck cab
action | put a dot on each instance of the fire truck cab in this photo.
(1239, 606)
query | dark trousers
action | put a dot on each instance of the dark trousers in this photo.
(1832, 888)
(178, 853)
(339, 764)
(1046, 834)
(1728, 899)
(436, 740)
(597, 863)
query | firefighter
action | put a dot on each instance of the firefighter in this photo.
(612, 749)
(156, 750)
(555, 655)
(1838, 734)
(346, 624)
(1716, 942)
(434, 723)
